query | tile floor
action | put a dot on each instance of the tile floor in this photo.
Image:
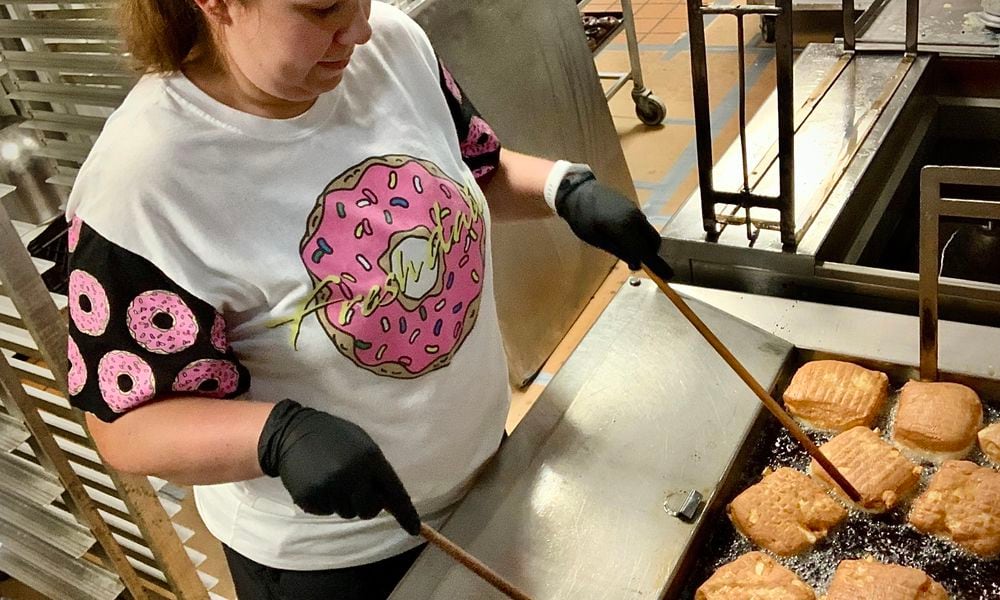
(661, 161)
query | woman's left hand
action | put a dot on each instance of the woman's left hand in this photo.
(604, 218)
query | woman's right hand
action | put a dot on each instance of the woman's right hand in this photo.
(331, 466)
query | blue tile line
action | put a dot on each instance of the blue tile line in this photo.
(665, 189)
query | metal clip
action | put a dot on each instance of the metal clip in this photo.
(683, 504)
(752, 230)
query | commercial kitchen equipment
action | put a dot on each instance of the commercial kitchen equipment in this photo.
(614, 484)
(643, 420)
(830, 172)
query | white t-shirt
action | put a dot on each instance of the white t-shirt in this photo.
(340, 258)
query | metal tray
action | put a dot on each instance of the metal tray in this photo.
(886, 537)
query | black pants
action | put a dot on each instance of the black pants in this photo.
(374, 581)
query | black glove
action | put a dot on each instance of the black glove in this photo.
(604, 218)
(330, 465)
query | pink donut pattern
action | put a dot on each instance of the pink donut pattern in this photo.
(450, 84)
(397, 251)
(481, 140)
(135, 334)
(88, 303)
(208, 377)
(76, 378)
(161, 322)
(73, 234)
(125, 380)
(218, 334)
(478, 144)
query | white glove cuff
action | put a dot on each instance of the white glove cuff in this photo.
(560, 169)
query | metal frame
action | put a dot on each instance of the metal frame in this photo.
(852, 27)
(40, 316)
(932, 208)
(745, 199)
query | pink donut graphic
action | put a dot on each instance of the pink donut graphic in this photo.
(218, 334)
(208, 377)
(88, 303)
(77, 376)
(397, 251)
(73, 234)
(161, 322)
(125, 380)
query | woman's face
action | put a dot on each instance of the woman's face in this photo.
(294, 50)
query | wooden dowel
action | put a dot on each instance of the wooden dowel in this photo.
(776, 409)
(471, 563)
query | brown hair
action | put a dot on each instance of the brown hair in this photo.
(160, 33)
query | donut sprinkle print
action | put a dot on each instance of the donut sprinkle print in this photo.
(396, 251)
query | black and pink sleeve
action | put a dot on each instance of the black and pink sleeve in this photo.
(479, 144)
(136, 336)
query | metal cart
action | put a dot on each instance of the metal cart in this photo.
(648, 106)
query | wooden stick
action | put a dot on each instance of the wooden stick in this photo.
(775, 408)
(471, 563)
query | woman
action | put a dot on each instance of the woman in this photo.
(282, 287)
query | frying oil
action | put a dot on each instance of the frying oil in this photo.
(886, 537)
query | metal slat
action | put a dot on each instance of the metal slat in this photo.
(80, 128)
(69, 537)
(139, 550)
(74, 13)
(68, 94)
(68, 150)
(37, 3)
(7, 305)
(9, 314)
(97, 477)
(53, 573)
(41, 265)
(63, 180)
(121, 80)
(20, 477)
(63, 424)
(83, 46)
(34, 371)
(28, 371)
(63, 61)
(72, 29)
(47, 397)
(18, 340)
(12, 433)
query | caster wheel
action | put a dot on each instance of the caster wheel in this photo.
(767, 27)
(650, 109)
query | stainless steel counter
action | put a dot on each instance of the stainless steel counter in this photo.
(947, 27)
(572, 506)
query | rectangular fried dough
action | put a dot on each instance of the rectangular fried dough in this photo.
(787, 512)
(962, 503)
(754, 575)
(867, 579)
(833, 395)
(880, 473)
(937, 419)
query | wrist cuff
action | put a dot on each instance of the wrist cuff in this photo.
(559, 171)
